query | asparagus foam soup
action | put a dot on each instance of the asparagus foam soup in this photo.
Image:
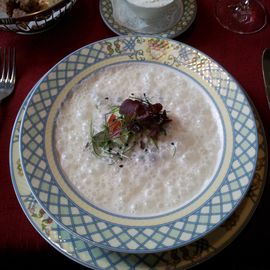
(126, 166)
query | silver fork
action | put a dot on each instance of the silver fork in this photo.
(8, 73)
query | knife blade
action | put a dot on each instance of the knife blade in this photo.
(266, 73)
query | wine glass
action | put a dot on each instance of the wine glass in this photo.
(241, 16)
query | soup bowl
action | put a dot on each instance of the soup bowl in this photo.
(152, 10)
(89, 221)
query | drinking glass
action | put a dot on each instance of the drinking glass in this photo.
(241, 16)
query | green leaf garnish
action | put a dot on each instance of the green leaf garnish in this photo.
(123, 126)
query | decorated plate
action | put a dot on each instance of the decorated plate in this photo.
(96, 258)
(191, 220)
(187, 18)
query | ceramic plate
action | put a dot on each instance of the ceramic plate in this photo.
(96, 258)
(189, 14)
(145, 234)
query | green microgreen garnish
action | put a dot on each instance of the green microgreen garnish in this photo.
(135, 120)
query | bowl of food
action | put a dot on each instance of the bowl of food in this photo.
(147, 9)
(32, 16)
(140, 148)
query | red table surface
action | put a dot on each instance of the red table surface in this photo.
(240, 55)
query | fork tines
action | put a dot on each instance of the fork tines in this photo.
(7, 65)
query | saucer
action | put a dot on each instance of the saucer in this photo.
(185, 21)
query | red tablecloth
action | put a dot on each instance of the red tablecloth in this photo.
(20, 244)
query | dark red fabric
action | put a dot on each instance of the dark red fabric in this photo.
(20, 244)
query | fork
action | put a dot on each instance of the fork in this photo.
(8, 73)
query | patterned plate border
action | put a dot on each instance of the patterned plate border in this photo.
(119, 237)
(96, 258)
(189, 15)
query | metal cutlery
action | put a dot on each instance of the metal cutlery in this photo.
(7, 71)
(266, 73)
